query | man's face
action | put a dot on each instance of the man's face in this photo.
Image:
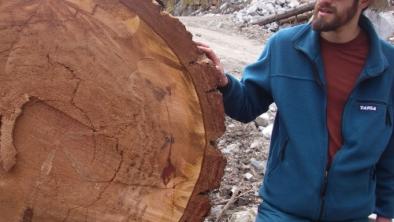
(330, 15)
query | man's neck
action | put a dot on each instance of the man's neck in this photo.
(343, 34)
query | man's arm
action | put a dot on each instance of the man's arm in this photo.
(385, 185)
(246, 99)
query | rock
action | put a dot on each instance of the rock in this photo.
(234, 189)
(270, 8)
(215, 211)
(245, 167)
(258, 165)
(293, 3)
(391, 39)
(267, 131)
(221, 143)
(224, 6)
(265, 167)
(272, 118)
(281, 2)
(248, 215)
(231, 126)
(252, 10)
(225, 193)
(256, 144)
(248, 176)
(263, 120)
(273, 108)
(231, 148)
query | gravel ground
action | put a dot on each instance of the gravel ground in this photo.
(246, 148)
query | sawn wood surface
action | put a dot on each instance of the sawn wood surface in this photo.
(108, 113)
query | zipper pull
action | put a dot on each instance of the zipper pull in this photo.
(324, 187)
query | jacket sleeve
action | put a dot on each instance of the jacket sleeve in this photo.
(246, 99)
(385, 182)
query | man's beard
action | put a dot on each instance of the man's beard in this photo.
(319, 24)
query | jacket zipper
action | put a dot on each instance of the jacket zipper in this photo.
(325, 180)
(323, 193)
(323, 190)
(326, 168)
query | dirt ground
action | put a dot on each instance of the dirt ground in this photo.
(235, 46)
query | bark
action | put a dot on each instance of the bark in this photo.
(108, 113)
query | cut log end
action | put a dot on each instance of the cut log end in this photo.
(121, 119)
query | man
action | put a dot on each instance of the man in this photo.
(332, 147)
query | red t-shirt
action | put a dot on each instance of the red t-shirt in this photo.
(343, 63)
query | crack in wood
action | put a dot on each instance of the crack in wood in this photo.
(84, 113)
(74, 93)
(65, 66)
(8, 150)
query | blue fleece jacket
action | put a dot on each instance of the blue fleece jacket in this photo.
(290, 73)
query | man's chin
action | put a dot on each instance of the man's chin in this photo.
(320, 24)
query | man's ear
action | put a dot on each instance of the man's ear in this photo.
(364, 4)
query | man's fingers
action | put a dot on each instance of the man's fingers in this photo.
(216, 61)
(205, 49)
(201, 44)
(210, 54)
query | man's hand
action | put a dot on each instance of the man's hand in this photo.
(382, 219)
(222, 80)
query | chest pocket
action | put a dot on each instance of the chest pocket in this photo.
(367, 123)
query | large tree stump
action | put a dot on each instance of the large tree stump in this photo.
(108, 114)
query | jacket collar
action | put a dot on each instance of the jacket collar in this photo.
(308, 41)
